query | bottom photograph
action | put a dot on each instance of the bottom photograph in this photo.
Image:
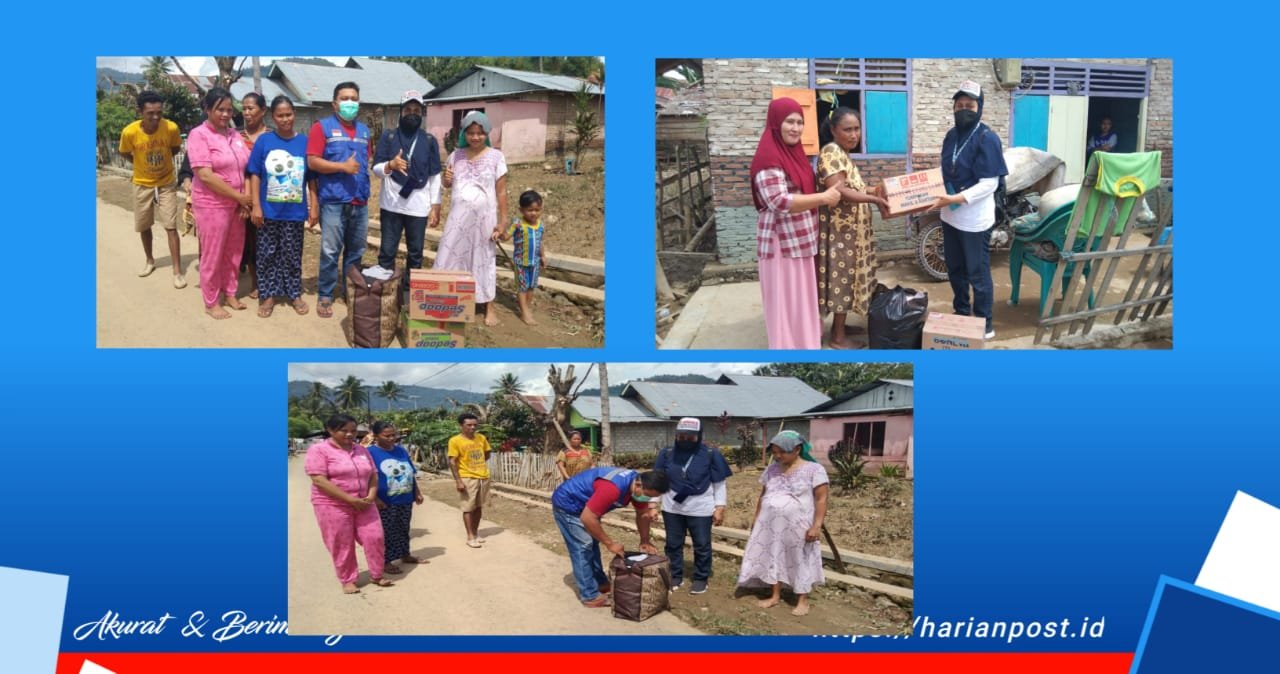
(600, 498)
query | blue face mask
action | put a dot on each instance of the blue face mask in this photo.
(348, 109)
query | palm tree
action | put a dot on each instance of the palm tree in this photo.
(391, 391)
(508, 384)
(351, 392)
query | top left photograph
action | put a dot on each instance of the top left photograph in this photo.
(350, 202)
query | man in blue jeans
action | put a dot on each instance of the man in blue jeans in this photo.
(338, 149)
(580, 502)
(695, 502)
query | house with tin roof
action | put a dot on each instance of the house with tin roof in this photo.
(532, 113)
(643, 416)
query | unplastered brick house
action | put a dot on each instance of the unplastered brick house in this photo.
(905, 104)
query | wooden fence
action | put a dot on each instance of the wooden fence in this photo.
(1088, 297)
(524, 469)
(685, 217)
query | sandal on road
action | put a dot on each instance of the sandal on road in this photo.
(324, 308)
(266, 307)
(381, 582)
(300, 306)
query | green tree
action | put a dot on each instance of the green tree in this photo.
(836, 379)
(351, 394)
(179, 105)
(391, 391)
(585, 125)
(508, 384)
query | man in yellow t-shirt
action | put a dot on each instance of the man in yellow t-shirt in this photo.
(150, 145)
(468, 452)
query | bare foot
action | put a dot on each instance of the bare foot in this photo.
(490, 320)
(528, 319)
(350, 588)
(769, 603)
(839, 344)
(217, 313)
(801, 609)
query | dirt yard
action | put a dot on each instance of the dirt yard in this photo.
(877, 519)
(135, 312)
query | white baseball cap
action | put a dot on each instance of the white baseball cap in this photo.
(689, 425)
(411, 95)
(969, 88)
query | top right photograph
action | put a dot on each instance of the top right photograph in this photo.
(937, 204)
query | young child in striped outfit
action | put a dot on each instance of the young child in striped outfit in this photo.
(530, 254)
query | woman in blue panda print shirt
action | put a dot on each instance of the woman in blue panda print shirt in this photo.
(284, 196)
(397, 493)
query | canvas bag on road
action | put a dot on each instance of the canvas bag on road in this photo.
(640, 589)
(373, 309)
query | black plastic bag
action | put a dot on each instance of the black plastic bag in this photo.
(895, 318)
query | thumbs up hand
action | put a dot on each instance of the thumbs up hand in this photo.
(398, 163)
(352, 165)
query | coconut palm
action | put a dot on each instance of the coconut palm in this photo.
(391, 391)
(508, 384)
(351, 392)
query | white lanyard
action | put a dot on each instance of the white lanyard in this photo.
(956, 152)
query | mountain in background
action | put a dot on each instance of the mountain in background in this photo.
(118, 76)
(426, 397)
(663, 378)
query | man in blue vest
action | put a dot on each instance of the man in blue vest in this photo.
(338, 149)
(578, 505)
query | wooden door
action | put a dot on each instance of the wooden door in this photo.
(1068, 132)
(808, 100)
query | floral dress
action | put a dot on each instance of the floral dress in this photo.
(776, 550)
(473, 214)
(846, 244)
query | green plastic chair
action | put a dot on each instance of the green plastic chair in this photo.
(1089, 214)
(1034, 233)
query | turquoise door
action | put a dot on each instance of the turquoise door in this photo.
(1031, 122)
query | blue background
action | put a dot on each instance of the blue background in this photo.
(154, 478)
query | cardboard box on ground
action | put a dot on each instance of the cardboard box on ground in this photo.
(949, 332)
(914, 191)
(441, 304)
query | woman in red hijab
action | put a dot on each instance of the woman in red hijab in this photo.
(782, 187)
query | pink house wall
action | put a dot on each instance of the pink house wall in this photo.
(519, 127)
(824, 433)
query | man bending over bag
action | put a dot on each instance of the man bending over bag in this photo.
(582, 500)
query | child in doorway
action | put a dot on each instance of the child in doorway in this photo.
(530, 254)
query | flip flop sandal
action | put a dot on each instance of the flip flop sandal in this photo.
(300, 307)
(265, 309)
(324, 309)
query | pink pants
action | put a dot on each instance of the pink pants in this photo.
(221, 234)
(342, 527)
(789, 290)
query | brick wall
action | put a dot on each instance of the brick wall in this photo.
(1160, 113)
(561, 112)
(934, 82)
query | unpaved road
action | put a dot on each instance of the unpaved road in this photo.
(510, 586)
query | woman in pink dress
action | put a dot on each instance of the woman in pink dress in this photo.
(784, 547)
(782, 187)
(344, 488)
(477, 174)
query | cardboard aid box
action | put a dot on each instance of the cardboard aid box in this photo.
(434, 334)
(949, 332)
(914, 191)
(441, 296)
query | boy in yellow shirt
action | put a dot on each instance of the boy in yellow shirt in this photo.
(468, 452)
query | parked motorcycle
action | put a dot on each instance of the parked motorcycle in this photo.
(1032, 172)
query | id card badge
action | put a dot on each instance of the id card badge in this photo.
(951, 190)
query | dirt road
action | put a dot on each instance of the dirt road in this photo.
(510, 586)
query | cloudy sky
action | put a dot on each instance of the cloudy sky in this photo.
(479, 377)
(195, 65)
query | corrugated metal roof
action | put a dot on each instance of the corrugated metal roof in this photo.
(739, 395)
(270, 89)
(859, 391)
(382, 84)
(391, 68)
(621, 410)
(535, 81)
